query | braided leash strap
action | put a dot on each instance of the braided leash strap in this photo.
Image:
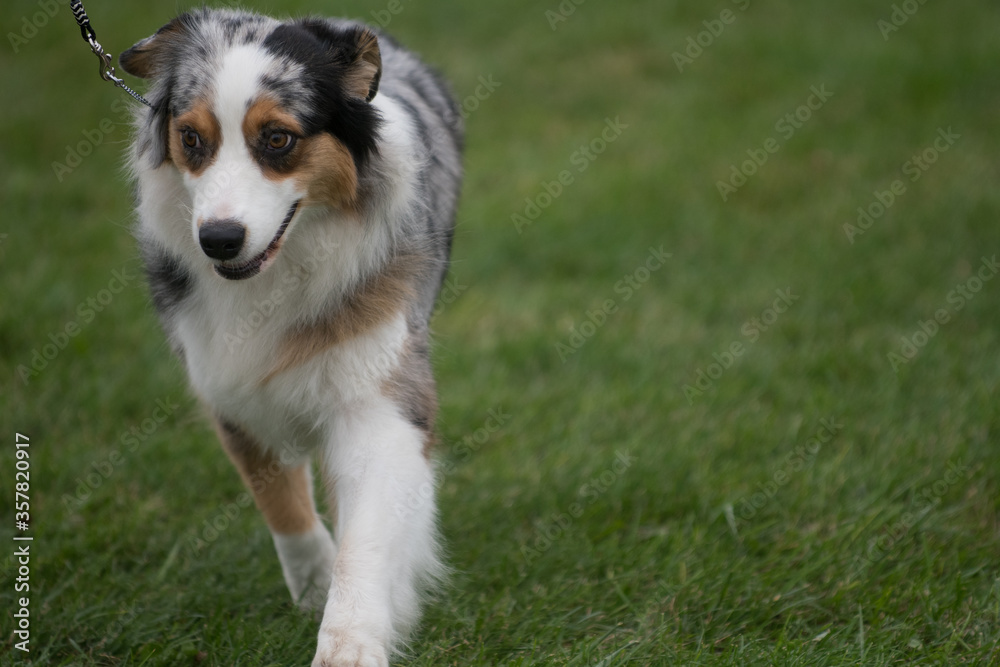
(80, 14)
(107, 70)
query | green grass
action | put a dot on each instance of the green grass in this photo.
(867, 552)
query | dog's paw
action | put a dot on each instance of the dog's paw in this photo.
(311, 589)
(307, 564)
(349, 649)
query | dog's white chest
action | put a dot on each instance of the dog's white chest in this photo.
(229, 371)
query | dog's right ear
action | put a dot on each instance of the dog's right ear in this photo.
(149, 56)
(153, 57)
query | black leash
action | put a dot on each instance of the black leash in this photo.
(107, 69)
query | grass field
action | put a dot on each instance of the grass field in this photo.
(776, 445)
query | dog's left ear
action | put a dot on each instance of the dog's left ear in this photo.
(366, 69)
(356, 49)
(151, 55)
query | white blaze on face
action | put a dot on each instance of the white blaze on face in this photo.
(234, 185)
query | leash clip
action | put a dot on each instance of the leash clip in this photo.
(106, 69)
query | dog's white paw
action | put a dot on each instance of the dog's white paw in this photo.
(311, 596)
(307, 564)
(349, 649)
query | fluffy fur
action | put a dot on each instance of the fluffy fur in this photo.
(297, 184)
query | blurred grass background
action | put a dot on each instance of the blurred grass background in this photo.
(863, 550)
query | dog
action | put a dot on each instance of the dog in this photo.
(297, 184)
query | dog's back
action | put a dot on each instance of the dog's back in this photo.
(439, 127)
(297, 191)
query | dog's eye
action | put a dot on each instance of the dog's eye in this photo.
(280, 141)
(191, 138)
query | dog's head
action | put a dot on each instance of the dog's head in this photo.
(261, 118)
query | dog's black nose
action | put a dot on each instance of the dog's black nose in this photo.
(221, 239)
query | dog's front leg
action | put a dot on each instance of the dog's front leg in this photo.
(384, 495)
(282, 490)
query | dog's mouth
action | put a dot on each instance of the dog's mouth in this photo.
(254, 265)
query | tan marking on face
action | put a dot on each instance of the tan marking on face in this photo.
(282, 494)
(327, 172)
(200, 119)
(264, 112)
(376, 302)
(321, 165)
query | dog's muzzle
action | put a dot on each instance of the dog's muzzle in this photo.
(254, 265)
